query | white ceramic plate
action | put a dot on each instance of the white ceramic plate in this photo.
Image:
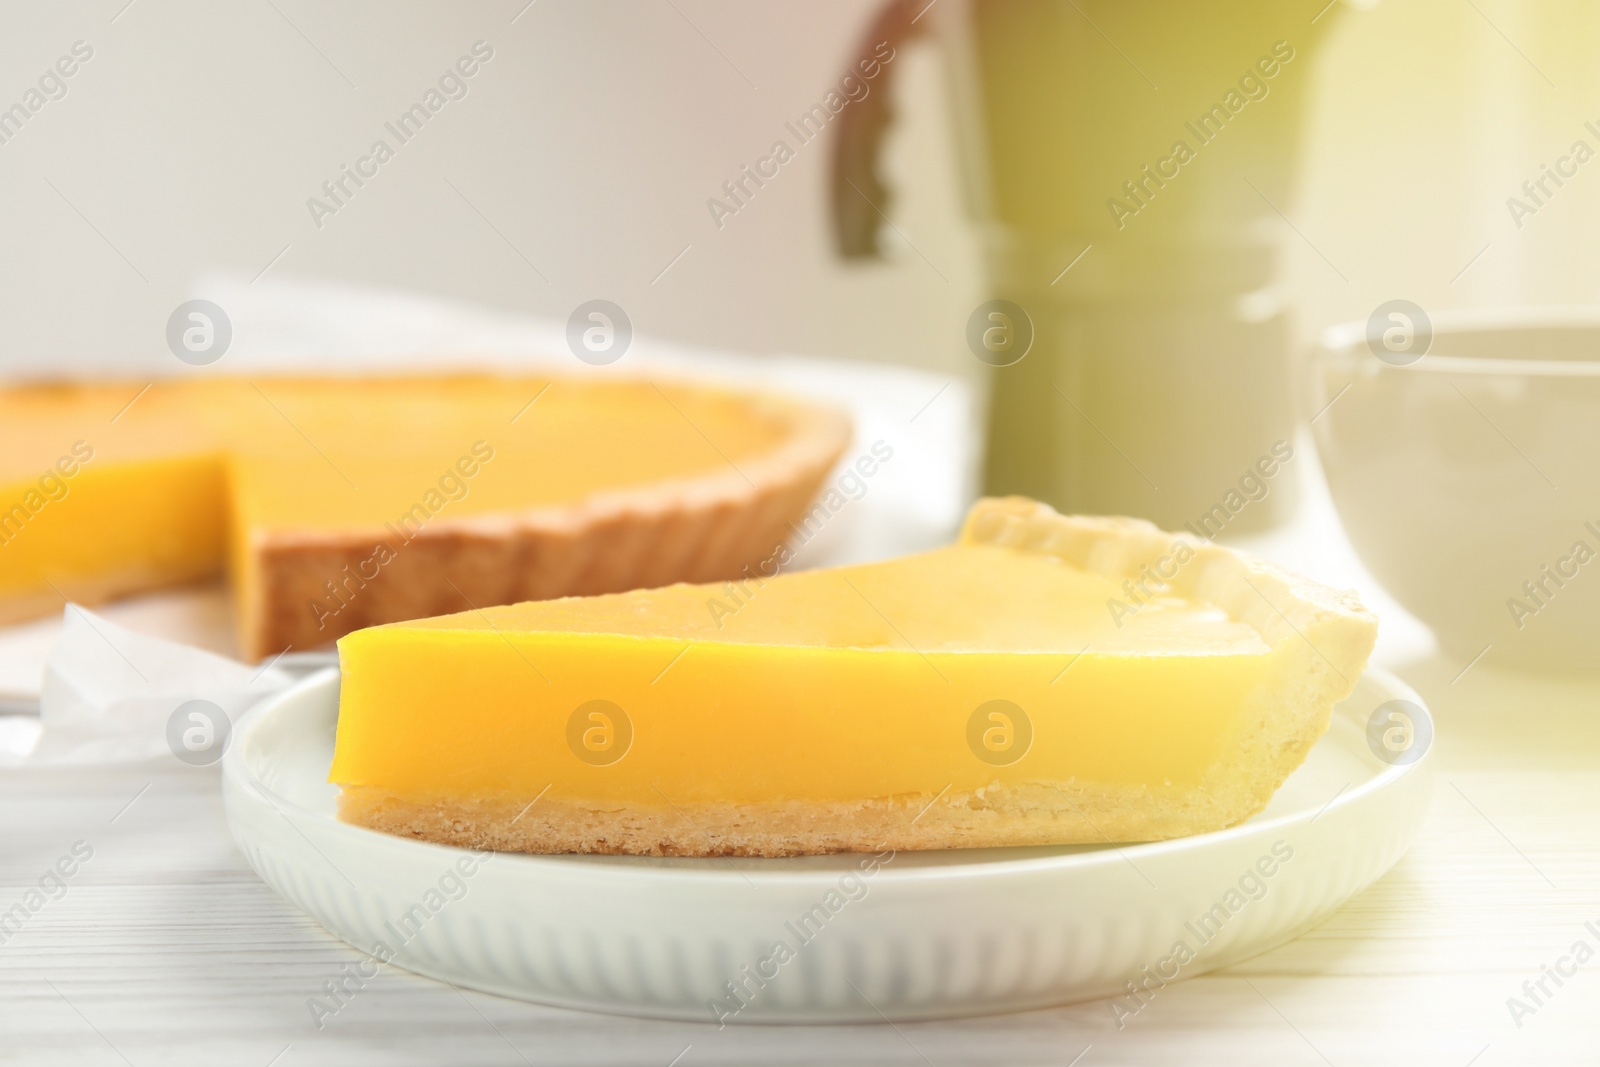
(913, 935)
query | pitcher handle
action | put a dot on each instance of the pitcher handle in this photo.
(859, 199)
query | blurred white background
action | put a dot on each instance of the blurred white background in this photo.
(1427, 115)
(586, 149)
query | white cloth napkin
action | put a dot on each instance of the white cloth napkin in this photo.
(109, 695)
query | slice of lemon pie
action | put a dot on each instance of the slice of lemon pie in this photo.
(1047, 679)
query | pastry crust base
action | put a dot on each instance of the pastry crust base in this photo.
(27, 606)
(998, 815)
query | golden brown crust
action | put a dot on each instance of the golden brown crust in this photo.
(29, 605)
(1273, 600)
(700, 529)
(995, 816)
(24, 607)
(1321, 636)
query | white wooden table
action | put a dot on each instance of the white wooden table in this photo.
(165, 948)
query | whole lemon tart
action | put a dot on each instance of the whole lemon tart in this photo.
(338, 503)
(1048, 679)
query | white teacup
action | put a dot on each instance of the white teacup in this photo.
(1466, 469)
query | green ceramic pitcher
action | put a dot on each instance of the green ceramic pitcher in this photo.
(1129, 163)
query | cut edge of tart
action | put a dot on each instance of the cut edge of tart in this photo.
(699, 528)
